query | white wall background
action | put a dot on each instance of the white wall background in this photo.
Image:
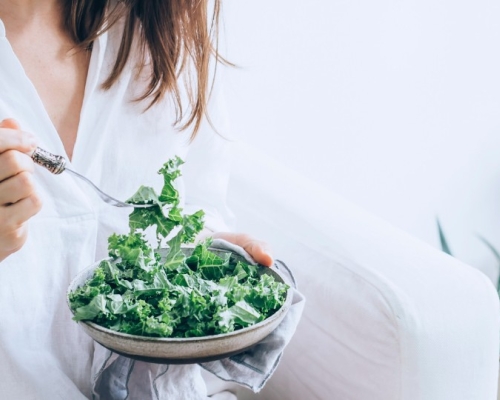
(393, 104)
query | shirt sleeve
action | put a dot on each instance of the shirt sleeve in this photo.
(207, 167)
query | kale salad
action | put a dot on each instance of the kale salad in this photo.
(143, 291)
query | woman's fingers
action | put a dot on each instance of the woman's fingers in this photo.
(16, 188)
(10, 123)
(18, 198)
(13, 225)
(259, 252)
(13, 240)
(13, 162)
(11, 139)
(13, 217)
(258, 249)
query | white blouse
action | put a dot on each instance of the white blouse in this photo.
(43, 353)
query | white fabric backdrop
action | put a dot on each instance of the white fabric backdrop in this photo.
(393, 105)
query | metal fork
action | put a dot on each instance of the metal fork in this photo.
(57, 164)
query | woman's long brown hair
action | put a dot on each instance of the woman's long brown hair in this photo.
(176, 36)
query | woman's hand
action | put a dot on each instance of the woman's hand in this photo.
(257, 249)
(18, 199)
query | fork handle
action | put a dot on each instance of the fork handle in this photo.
(54, 163)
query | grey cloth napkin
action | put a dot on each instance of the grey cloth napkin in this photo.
(116, 377)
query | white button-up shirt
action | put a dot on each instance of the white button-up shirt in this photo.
(43, 353)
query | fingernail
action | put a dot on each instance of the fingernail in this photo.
(271, 261)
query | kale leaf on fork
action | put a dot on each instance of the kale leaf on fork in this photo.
(140, 293)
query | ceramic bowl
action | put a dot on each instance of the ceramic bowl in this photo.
(183, 350)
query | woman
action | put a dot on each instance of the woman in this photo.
(102, 83)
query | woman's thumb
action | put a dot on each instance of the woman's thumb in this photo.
(9, 123)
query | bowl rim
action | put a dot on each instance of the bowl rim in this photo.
(220, 336)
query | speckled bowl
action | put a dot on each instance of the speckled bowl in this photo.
(183, 350)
